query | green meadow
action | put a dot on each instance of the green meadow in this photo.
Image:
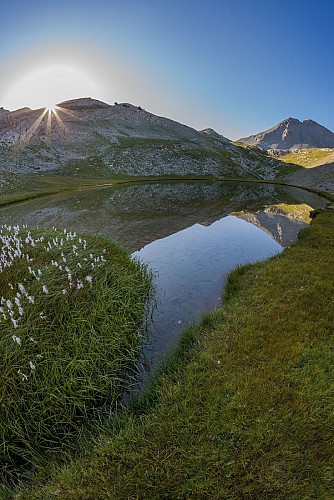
(241, 409)
(73, 316)
(309, 157)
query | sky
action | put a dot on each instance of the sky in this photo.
(236, 66)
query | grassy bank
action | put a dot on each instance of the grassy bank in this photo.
(244, 409)
(72, 311)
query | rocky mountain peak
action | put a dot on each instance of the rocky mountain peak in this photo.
(292, 134)
(290, 120)
(212, 133)
(83, 102)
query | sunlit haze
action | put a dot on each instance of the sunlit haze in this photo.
(238, 67)
(49, 85)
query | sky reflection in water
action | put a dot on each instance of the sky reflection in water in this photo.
(191, 267)
(183, 230)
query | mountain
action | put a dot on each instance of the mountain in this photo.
(292, 134)
(88, 138)
(212, 133)
(4, 114)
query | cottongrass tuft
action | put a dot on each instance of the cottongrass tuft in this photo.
(69, 336)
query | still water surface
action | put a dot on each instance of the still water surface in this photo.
(184, 231)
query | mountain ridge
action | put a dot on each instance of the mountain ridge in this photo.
(87, 137)
(292, 134)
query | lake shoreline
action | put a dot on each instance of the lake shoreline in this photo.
(96, 184)
(248, 433)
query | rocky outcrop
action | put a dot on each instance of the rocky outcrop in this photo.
(4, 116)
(212, 133)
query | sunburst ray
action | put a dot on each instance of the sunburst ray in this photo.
(30, 132)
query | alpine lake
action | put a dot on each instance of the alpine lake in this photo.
(190, 234)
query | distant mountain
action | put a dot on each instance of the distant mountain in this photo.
(88, 138)
(292, 134)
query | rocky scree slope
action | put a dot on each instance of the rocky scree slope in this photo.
(320, 178)
(292, 134)
(317, 170)
(88, 138)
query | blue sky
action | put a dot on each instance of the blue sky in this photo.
(237, 66)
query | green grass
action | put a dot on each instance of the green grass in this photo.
(309, 157)
(69, 352)
(245, 407)
(89, 168)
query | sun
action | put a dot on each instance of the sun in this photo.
(43, 87)
(51, 107)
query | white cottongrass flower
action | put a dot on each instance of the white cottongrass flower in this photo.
(32, 366)
(23, 375)
(59, 254)
(15, 322)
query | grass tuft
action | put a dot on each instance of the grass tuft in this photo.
(72, 316)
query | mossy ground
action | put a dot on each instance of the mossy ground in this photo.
(245, 406)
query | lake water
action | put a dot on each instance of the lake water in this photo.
(184, 231)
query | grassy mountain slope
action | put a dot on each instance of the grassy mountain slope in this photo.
(309, 158)
(86, 138)
(317, 169)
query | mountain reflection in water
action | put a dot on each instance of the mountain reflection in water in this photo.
(183, 231)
